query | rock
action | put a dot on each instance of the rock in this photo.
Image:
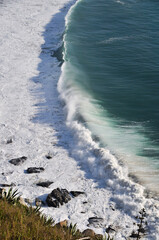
(57, 197)
(62, 224)
(134, 235)
(35, 170)
(18, 161)
(7, 185)
(38, 202)
(48, 156)
(44, 184)
(58, 54)
(110, 229)
(61, 195)
(7, 173)
(9, 141)
(51, 202)
(95, 221)
(112, 208)
(76, 193)
(99, 236)
(88, 233)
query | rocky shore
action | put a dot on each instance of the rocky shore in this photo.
(39, 155)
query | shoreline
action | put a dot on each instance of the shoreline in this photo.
(32, 117)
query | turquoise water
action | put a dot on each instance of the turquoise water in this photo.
(111, 55)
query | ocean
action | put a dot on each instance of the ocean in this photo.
(88, 142)
(110, 81)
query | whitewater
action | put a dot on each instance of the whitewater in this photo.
(38, 119)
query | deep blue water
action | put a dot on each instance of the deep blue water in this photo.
(112, 63)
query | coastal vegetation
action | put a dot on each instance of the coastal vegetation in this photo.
(22, 222)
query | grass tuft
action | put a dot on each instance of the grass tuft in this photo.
(12, 196)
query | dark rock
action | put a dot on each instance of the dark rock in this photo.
(58, 53)
(134, 235)
(110, 229)
(51, 202)
(35, 170)
(76, 193)
(88, 233)
(18, 161)
(99, 236)
(7, 185)
(141, 230)
(9, 141)
(95, 222)
(7, 173)
(57, 197)
(48, 156)
(61, 195)
(44, 184)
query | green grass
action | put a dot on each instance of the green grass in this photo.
(19, 222)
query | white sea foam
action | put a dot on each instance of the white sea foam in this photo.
(115, 39)
(120, 2)
(112, 40)
(32, 116)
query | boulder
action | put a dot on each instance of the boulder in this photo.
(18, 161)
(134, 235)
(57, 197)
(61, 195)
(44, 184)
(95, 222)
(51, 202)
(76, 193)
(7, 185)
(88, 233)
(110, 229)
(99, 236)
(35, 170)
(48, 156)
(9, 141)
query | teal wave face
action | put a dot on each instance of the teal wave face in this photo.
(111, 63)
